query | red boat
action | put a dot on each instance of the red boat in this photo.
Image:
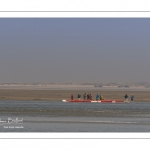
(95, 101)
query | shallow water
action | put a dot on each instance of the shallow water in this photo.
(56, 116)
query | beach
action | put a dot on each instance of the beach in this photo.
(60, 94)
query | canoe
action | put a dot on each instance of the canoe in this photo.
(95, 101)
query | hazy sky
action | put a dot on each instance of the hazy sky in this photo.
(74, 50)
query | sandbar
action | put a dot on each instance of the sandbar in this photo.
(56, 94)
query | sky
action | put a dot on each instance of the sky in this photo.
(74, 50)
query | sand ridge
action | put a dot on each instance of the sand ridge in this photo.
(17, 94)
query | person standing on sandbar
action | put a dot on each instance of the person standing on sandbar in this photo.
(126, 97)
(84, 96)
(71, 96)
(132, 97)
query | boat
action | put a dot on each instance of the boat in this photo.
(95, 101)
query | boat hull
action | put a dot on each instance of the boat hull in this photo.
(95, 101)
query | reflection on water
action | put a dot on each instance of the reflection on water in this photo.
(56, 116)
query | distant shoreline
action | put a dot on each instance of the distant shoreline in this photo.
(71, 87)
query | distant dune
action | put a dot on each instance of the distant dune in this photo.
(74, 87)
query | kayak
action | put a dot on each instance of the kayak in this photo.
(95, 101)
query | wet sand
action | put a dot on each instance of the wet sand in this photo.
(17, 94)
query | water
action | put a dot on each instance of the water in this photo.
(56, 116)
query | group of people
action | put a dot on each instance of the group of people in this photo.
(126, 97)
(98, 97)
(87, 96)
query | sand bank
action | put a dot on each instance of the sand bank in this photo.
(21, 94)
